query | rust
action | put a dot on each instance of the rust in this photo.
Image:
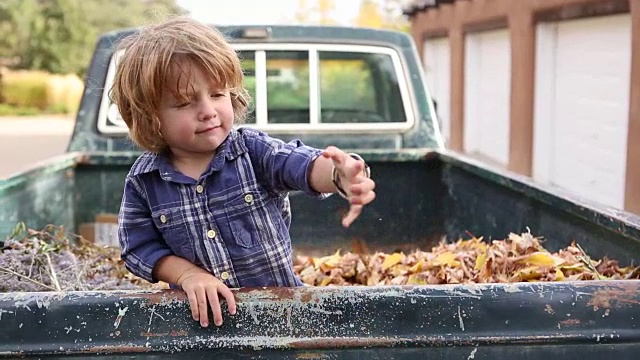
(311, 356)
(114, 349)
(570, 322)
(614, 297)
(161, 297)
(322, 343)
(174, 333)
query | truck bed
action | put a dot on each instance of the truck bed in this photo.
(423, 196)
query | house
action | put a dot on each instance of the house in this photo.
(546, 88)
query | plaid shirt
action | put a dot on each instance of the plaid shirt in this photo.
(234, 221)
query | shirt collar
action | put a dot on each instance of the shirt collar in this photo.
(231, 148)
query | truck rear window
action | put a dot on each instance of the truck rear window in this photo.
(315, 87)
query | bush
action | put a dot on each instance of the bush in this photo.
(41, 90)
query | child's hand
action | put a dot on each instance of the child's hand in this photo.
(359, 188)
(201, 285)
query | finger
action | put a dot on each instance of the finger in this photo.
(363, 199)
(362, 188)
(354, 212)
(193, 304)
(228, 296)
(215, 305)
(202, 307)
(338, 156)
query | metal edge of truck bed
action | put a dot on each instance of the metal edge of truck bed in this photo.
(486, 320)
(616, 220)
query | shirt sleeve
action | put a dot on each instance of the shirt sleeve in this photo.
(141, 244)
(285, 166)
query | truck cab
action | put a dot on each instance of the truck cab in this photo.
(305, 83)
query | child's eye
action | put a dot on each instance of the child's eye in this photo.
(218, 95)
(181, 105)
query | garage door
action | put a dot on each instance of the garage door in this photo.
(487, 95)
(437, 66)
(582, 106)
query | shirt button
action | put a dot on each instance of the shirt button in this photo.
(163, 218)
(224, 275)
(248, 198)
(211, 234)
(199, 189)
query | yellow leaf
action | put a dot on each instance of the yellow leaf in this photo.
(413, 280)
(417, 267)
(481, 260)
(325, 281)
(446, 258)
(391, 260)
(327, 263)
(542, 259)
(559, 275)
(528, 273)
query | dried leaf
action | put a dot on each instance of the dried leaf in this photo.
(392, 260)
(447, 258)
(542, 259)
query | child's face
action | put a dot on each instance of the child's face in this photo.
(199, 125)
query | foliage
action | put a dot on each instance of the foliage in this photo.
(24, 91)
(58, 35)
(385, 14)
(53, 260)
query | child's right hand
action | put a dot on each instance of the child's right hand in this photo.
(200, 286)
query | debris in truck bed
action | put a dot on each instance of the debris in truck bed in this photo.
(518, 258)
(51, 260)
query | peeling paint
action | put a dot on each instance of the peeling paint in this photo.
(121, 313)
(460, 319)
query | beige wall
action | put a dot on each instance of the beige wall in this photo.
(464, 17)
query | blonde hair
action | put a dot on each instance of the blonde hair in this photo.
(150, 59)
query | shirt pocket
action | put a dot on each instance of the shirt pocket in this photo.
(173, 227)
(253, 219)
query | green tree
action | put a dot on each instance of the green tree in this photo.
(58, 35)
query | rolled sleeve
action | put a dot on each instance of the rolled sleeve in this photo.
(141, 244)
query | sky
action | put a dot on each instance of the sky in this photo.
(243, 12)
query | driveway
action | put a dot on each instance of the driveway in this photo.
(25, 141)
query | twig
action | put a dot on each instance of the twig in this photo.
(54, 277)
(27, 278)
(586, 260)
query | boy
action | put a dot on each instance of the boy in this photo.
(206, 206)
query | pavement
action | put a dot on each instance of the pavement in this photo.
(25, 141)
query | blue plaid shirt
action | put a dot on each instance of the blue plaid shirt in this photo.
(234, 221)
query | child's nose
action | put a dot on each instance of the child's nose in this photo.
(207, 109)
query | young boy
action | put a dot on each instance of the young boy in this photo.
(206, 206)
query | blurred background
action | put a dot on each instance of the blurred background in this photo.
(549, 89)
(46, 45)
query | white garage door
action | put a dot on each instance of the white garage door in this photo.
(582, 106)
(487, 95)
(437, 64)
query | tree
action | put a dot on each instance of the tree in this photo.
(369, 15)
(318, 13)
(58, 35)
(385, 14)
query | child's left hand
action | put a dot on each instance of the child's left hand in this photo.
(352, 179)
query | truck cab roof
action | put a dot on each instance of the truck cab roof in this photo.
(325, 85)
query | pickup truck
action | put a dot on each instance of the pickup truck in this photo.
(362, 90)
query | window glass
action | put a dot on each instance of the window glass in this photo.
(288, 87)
(359, 88)
(248, 63)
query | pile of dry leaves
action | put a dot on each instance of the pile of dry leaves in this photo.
(52, 260)
(516, 259)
